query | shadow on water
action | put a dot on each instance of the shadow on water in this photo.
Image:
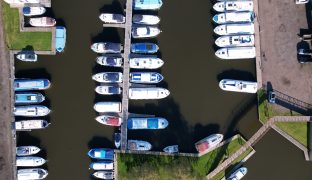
(236, 74)
(25, 139)
(101, 98)
(115, 7)
(108, 34)
(100, 142)
(34, 73)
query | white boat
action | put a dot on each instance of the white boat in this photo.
(145, 77)
(145, 32)
(42, 22)
(234, 17)
(27, 57)
(108, 77)
(236, 53)
(136, 145)
(243, 5)
(238, 86)
(22, 1)
(145, 63)
(108, 90)
(235, 29)
(102, 165)
(109, 120)
(27, 125)
(238, 174)
(233, 41)
(109, 61)
(27, 150)
(112, 18)
(31, 174)
(29, 161)
(106, 47)
(31, 111)
(104, 174)
(148, 93)
(145, 19)
(33, 10)
(208, 142)
(171, 149)
(102, 107)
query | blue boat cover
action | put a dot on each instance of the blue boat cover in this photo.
(147, 4)
(60, 38)
(26, 10)
(143, 123)
(111, 61)
(102, 153)
(30, 84)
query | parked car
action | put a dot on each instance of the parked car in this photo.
(272, 97)
(305, 51)
(304, 59)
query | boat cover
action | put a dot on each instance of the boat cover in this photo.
(26, 10)
(112, 121)
(118, 17)
(112, 77)
(113, 90)
(143, 123)
(111, 61)
(60, 35)
(202, 146)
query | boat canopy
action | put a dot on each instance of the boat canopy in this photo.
(60, 35)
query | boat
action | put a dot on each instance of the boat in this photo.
(236, 53)
(235, 29)
(60, 38)
(102, 165)
(22, 1)
(101, 153)
(108, 90)
(148, 93)
(147, 4)
(109, 120)
(145, 77)
(147, 123)
(112, 18)
(104, 174)
(233, 41)
(145, 48)
(137, 145)
(106, 47)
(234, 17)
(145, 32)
(28, 98)
(171, 149)
(145, 63)
(33, 10)
(27, 125)
(31, 174)
(42, 22)
(108, 77)
(101, 107)
(117, 140)
(238, 86)
(145, 19)
(243, 5)
(29, 161)
(27, 57)
(238, 174)
(31, 84)
(208, 142)
(27, 150)
(110, 61)
(31, 111)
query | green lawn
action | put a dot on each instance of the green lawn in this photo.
(17, 40)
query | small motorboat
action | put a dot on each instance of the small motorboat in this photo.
(109, 120)
(117, 140)
(31, 84)
(145, 63)
(108, 77)
(171, 149)
(112, 18)
(234, 17)
(136, 145)
(27, 57)
(148, 93)
(147, 4)
(28, 98)
(147, 123)
(104, 174)
(103, 107)
(145, 77)
(239, 5)
(60, 38)
(108, 90)
(28, 125)
(42, 22)
(236, 53)
(102, 165)
(145, 19)
(145, 32)
(235, 29)
(238, 174)
(31, 174)
(101, 153)
(19, 2)
(106, 47)
(110, 61)
(29, 161)
(27, 150)
(234, 41)
(208, 142)
(33, 10)
(238, 86)
(145, 48)
(31, 111)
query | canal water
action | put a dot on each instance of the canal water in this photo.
(195, 108)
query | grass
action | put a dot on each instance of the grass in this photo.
(17, 40)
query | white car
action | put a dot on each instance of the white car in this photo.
(302, 1)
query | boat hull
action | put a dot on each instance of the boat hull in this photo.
(29, 161)
(145, 32)
(103, 107)
(147, 4)
(146, 63)
(238, 86)
(146, 77)
(31, 174)
(108, 90)
(31, 84)
(236, 53)
(102, 165)
(108, 77)
(109, 120)
(235, 41)
(104, 174)
(148, 93)
(101, 153)
(31, 111)
(27, 125)
(145, 19)
(27, 150)
(42, 22)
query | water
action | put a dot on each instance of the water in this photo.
(196, 107)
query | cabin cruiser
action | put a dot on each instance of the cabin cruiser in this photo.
(28, 125)
(208, 142)
(102, 107)
(108, 77)
(147, 123)
(145, 19)
(29, 161)
(234, 17)
(136, 145)
(145, 32)
(117, 138)
(33, 10)
(233, 41)
(106, 47)
(148, 93)
(27, 150)
(22, 1)
(109, 120)
(28, 98)
(31, 111)
(112, 18)
(145, 77)
(27, 57)
(234, 29)
(108, 90)
(101, 153)
(145, 63)
(147, 4)
(171, 149)
(145, 48)
(60, 38)
(31, 84)
(110, 61)
(238, 174)
(236, 53)
(238, 86)
(104, 174)
(102, 165)
(31, 174)
(239, 5)
(42, 22)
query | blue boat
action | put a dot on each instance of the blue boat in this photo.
(60, 38)
(147, 4)
(147, 123)
(31, 84)
(101, 153)
(28, 98)
(147, 48)
(145, 77)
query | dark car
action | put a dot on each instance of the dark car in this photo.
(304, 51)
(272, 97)
(304, 59)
